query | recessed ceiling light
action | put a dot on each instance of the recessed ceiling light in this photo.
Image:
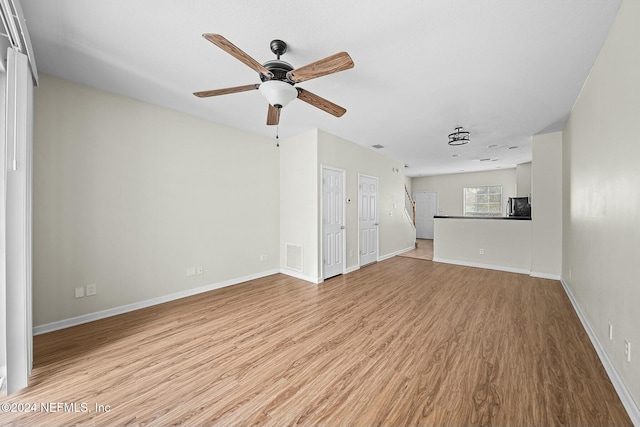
(513, 147)
(378, 146)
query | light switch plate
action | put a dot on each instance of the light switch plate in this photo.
(80, 292)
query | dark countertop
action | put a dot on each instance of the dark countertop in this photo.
(517, 218)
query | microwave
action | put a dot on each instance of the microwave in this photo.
(518, 206)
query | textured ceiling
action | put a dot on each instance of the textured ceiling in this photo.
(503, 69)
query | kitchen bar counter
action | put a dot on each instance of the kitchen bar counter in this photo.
(521, 218)
(501, 244)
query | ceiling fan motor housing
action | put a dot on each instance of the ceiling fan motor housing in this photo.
(279, 69)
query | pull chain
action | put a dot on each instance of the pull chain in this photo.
(277, 135)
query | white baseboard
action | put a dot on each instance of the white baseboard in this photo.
(352, 269)
(545, 275)
(627, 400)
(392, 254)
(85, 318)
(292, 273)
(480, 265)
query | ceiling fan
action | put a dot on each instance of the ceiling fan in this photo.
(279, 77)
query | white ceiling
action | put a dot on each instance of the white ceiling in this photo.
(503, 69)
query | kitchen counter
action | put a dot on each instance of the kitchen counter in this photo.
(501, 244)
(521, 218)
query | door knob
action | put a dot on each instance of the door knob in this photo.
(342, 227)
(376, 223)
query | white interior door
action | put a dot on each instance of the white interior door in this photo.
(368, 218)
(332, 222)
(426, 209)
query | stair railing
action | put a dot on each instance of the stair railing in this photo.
(410, 205)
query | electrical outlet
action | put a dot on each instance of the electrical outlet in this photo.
(92, 289)
(200, 270)
(80, 292)
(627, 350)
(481, 251)
(191, 271)
(610, 332)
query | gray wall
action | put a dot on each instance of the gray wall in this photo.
(601, 220)
(128, 196)
(546, 172)
(523, 180)
(450, 187)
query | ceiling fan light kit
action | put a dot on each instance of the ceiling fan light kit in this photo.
(279, 77)
(278, 93)
(459, 137)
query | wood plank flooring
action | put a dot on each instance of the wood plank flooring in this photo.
(423, 250)
(402, 342)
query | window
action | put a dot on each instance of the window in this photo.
(483, 201)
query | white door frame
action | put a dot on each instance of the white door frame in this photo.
(361, 175)
(17, 171)
(343, 203)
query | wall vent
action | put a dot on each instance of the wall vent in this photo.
(293, 256)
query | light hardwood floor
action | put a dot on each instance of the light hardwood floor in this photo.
(423, 250)
(400, 342)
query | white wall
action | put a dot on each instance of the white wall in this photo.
(601, 228)
(506, 243)
(523, 180)
(395, 230)
(3, 325)
(129, 195)
(299, 203)
(301, 161)
(450, 187)
(546, 202)
(408, 182)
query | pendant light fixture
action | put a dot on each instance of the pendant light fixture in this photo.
(459, 137)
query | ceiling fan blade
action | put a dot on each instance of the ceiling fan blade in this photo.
(321, 103)
(237, 53)
(273, 115)
(216, 92)
(329, 65)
